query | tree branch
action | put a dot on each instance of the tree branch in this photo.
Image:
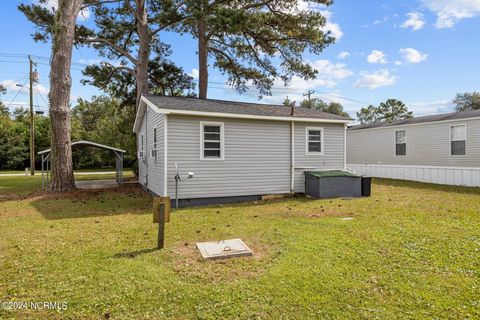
(113, 46)
(115, 70)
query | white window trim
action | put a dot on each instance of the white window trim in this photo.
(450, 140)
(322, 138)
(222, 140)
(141, 153)
(154, 147)
(395, 143)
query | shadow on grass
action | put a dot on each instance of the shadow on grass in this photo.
(133, 254)
(426, 186)
(126, 199)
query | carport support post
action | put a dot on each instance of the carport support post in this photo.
(119, 166)
(43, 184)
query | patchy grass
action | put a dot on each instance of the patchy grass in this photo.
(411, 251)
(23, 185)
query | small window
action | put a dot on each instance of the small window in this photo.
(153, 152)
(140, 152)
(212, 141)
(458, 140)
(314, 138)
(401, 142)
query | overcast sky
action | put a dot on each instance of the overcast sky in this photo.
(420, 51)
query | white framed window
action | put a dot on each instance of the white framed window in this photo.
(314, 141)
(153, 151)
(141, 151)
(212, 141)
(458, 140)
(401, 142)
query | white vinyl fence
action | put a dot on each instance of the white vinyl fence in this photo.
(441, 175)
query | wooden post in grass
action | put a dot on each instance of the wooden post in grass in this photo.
(161, 215)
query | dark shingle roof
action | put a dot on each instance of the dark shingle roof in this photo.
(233, 107)
(424, 119)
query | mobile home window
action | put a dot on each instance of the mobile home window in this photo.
(212, 141)
(401, 142)
(458, 140)
(314, 141)
(154, 150)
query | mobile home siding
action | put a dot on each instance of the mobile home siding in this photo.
(333, 151)
(428, 144)
(153, 166)
(257, 157)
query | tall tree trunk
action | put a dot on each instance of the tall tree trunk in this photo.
(60, 86)
(143, 50)
(202, 59)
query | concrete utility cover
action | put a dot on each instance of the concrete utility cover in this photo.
(224, 249)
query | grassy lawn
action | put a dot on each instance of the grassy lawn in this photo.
(23, 185)
(411, 251)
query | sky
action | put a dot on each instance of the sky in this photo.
(422, 52)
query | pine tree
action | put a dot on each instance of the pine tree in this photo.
(254, 42)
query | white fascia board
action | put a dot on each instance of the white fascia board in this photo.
(139, 116)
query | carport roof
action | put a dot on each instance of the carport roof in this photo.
(88, 143)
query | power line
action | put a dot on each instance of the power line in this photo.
(17, 93)
(41, 96)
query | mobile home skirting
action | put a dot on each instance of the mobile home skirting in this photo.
(442, 175)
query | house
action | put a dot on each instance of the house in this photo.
(236, 151)
(441, 149)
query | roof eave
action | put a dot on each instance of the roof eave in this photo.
(238, 115)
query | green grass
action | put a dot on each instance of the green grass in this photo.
(23, 185)
(412, 251)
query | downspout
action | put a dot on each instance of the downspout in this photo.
(292, 156)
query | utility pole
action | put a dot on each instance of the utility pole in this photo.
(33, 78)
(309, 93)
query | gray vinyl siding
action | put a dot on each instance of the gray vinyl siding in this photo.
(428, 144)
(154, 167)
(333, 151)
(142, 168)
(257, 157)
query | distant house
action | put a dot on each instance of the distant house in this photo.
(237, 151)
(441, 148)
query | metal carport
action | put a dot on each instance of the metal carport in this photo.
(117, 152)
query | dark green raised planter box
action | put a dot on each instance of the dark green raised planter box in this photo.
(332, 184)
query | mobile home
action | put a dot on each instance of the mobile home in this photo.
(441, 149)
(236, 151)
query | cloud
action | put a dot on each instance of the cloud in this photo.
(428, 108)
(13, 86)
(90, 61)
(449, 12)
(376, 79)
(333, 28)
(194, 73)
(377, 57)
(343, 55)
(328, 75)
(329, 70)
(415, 21)
(53, 5)
(412, 56)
